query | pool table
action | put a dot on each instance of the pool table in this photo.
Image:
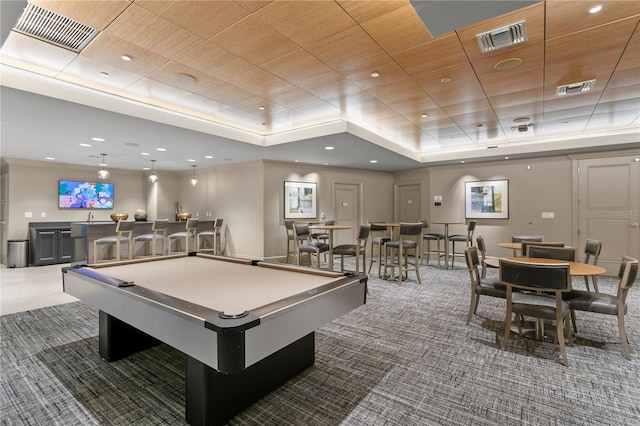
(245, 326)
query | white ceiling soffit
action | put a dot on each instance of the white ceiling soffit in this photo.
(444, 16)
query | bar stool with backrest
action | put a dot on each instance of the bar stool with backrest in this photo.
(410, 239)
(359, 249)
(379, 235)
(430, 237)
(592, 248)
(188, 234)
(158, 230)
(213, 234)
(304, 244)
(124, 231)
(467, 239)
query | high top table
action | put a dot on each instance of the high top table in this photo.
(446, 239)
(330, 228)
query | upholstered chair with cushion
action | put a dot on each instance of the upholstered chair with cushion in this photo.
(158, 232)
(541, 289)
(526, 244)
(358, 250)
(521, 238)
(214, 234)
(378, 236)
(592, 249)
(547, 252)
(482, 249)
(124, 231)
(601, 303)
(479, 287)
(304, 244)
(188, 234)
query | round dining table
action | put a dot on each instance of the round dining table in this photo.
(575, 268)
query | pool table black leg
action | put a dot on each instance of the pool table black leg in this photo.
(213, 398)
(118, 339)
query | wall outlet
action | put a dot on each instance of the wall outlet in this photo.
(548, 215)
(43, 214)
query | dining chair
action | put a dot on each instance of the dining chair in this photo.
(379, 235)
(536, 290)
(214, 234)
(467, 239)
(304, 244)
(592, 248)
(478, 286)
(526, 244)
(549, 252)
(410, 239)
(323, 236)
(482, 249)
(430, 237)
(188, 234)
(124, 231)
(359, 249)
(158, 230)
(607, 304)
(521, 238)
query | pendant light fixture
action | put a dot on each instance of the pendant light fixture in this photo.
(194, 181)
(153, 177)
(104, 173)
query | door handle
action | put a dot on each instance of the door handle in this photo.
(635, 225)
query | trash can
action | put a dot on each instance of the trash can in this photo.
(17, 253)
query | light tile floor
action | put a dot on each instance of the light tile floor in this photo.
(23, 289)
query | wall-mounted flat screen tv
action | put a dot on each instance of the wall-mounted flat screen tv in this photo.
(85, 195)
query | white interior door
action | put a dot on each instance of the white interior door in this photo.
(609, 208)
(409, 199)
(347, 212)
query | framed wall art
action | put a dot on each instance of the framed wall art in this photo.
(487, 199)
(300, 200)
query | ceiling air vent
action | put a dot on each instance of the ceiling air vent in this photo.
(53, 28)
(522, 128)
(502, 37)
(580, 87)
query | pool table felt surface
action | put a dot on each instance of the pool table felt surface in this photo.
(216, 284)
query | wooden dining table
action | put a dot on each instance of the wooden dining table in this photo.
(330, 229)
(575, 268)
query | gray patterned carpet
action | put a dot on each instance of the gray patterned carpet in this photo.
(405, 358)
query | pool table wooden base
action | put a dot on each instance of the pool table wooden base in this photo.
(213, 398)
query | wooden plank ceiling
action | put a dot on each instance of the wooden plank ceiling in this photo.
(272, 66)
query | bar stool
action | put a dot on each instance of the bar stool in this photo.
(592, 248)
(186, 235)
(379, 240)
(158, 230)
(214, 234)
(358, 249)
(430, 237)
(410, 238)
(467, 239)
(124, 230)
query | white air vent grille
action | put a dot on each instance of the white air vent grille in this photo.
(503, 37)
(580, 87)
(53, 28)
(522, 128)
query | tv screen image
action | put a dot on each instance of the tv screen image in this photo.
(85, 195)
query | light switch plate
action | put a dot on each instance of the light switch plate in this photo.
(548, 215)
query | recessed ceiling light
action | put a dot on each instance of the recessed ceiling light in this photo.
(132, 144)
(506, 158)
(462, 161)
(49, 158)
(595, 9)
(326, 164)
(184, 78)
(85, 144)
(261, 108)
(375, 74)
(508, 64)
(161, 149)
(373, 161)
(424, 115)
(97, 139)
(144, 153)
(446, 80)
(126, 58)
(521, 119)
(328, 148)
(528, 166)
(637, 159)
(146, 168)
(208, 156)
(191, 160)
